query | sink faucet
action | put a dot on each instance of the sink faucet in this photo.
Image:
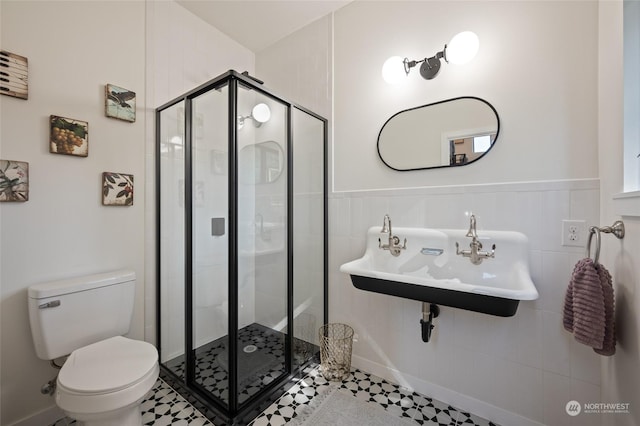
(393, 244)
(472, 227)
(475, 254)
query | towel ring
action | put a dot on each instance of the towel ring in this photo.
(594, 230)
(616, 229)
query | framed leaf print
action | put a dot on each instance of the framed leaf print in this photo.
(14, 180)
(117, 189)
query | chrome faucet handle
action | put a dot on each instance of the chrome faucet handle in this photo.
(396, 242)
(475, 253)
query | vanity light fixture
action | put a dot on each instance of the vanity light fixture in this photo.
(261, 113)
(462, 48)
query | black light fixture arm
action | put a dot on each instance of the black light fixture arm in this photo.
(430, 66)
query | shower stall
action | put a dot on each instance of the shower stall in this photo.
(242, 244)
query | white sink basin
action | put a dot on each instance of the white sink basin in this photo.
(430, 270)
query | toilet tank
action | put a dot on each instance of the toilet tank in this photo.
(68, 314)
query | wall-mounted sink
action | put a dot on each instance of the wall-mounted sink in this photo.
(429, 270)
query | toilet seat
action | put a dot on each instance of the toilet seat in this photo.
(107, 375)
(107, 366)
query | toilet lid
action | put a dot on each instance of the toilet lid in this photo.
(108, 366)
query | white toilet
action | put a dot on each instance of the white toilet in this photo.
(106, 376)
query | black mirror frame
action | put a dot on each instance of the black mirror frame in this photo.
(432, 104)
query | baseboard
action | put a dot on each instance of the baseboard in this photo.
(48, 416)
(456, 399)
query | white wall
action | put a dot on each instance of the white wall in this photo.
(63, 230)
(182, 53)
(520, 370)
(1, 103)
(619, 373)
(530, 67)
(299, 67)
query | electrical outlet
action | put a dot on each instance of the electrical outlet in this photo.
(574, 233)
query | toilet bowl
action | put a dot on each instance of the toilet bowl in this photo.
(103, 383)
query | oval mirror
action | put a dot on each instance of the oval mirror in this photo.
(261, 162)
(453, 132)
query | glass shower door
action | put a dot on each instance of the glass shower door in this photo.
(210, 241)
(309, 237)
(171, 265)
(262, 241)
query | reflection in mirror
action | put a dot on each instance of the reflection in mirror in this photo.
(261, 162)
(453, 132)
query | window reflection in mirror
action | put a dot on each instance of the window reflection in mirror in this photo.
(464, 150)
(453, 132)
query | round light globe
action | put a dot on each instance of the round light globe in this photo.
(393, 70)
(463, 47)
(261, 113)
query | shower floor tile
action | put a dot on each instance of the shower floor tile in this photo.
(164, 406)
(212, 373)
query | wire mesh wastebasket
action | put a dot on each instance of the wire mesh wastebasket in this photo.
(336, 343)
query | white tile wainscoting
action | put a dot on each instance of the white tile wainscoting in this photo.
(519, 370)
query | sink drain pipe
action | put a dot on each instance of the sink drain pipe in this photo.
(430, 311)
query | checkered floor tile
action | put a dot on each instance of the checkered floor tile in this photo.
(302, 398)
(163, 406)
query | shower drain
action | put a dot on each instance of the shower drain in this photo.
(250, 348)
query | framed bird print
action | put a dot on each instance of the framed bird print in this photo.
(14, 180)
(120, 103)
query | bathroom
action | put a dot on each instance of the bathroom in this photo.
(559, 156)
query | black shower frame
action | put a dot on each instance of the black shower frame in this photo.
(196, 394)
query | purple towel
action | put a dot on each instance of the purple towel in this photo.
(609, 342)
(589, 307)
